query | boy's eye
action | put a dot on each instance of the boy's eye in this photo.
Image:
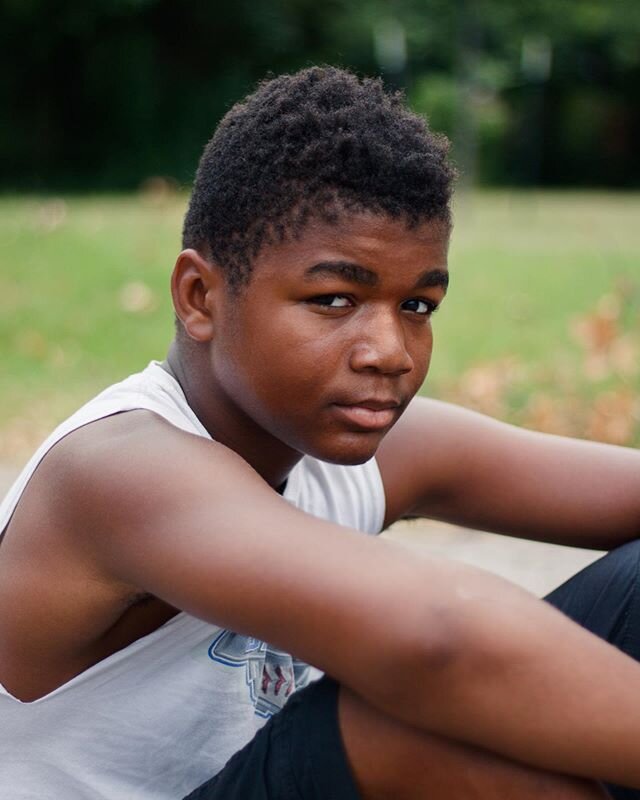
(419, 306)
(331, 301)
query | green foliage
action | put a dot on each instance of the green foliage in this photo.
(111, 92)
(437, 97)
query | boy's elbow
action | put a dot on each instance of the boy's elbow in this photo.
(421, 649)
(443, 649)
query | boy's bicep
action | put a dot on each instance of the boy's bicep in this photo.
(422, 459)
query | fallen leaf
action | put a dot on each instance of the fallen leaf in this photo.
(137, 298)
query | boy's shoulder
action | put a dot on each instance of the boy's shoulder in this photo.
(130, 506)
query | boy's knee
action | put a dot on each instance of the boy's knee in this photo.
(391, 760)
(604, 597)
(627, 554)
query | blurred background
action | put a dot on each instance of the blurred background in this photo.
(107, 105)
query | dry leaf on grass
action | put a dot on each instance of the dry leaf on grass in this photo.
(50, 215)
(549, 415)
(137, 298)
(608, 350)
(613, 417)
(483, 386)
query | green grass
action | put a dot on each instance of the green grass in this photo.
(523, 266)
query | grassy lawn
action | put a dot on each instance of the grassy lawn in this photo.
(541, 326)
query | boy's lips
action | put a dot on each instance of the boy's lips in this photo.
(368, 414)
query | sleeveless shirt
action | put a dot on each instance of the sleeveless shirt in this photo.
(159, 717)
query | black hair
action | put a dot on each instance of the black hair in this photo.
(314, 143)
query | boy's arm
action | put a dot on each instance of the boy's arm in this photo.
(442, 646)
(445, 462)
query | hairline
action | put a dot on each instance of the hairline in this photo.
(237, 283)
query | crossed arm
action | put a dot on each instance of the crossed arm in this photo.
(473, 657)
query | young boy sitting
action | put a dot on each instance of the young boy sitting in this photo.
(175, 540)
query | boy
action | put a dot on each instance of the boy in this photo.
(199, 510)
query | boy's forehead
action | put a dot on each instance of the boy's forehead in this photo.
(360, 237)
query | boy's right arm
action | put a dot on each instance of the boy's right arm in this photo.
(445, 647)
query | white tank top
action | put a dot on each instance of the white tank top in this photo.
(159, 717)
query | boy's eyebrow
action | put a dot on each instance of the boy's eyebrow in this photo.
(343, 269)
(355, 273)
(433, 277)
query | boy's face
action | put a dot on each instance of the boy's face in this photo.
(332, 336)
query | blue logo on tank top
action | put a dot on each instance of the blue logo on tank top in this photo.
(271, 675)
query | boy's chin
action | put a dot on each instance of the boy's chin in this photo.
(349, 453)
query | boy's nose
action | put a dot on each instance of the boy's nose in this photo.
(381, 346)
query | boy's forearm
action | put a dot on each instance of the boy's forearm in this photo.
(524, 681)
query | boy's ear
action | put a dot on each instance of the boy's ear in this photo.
(195, 286)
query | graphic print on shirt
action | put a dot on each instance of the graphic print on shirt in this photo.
(271, 675)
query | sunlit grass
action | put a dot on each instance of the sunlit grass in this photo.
(84, 301)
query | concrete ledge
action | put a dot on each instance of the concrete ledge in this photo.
(535, 566)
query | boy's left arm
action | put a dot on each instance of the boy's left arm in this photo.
(445, 462)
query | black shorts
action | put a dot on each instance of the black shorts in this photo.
(298, 755)
(605, 599)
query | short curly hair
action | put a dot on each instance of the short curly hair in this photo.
(315, 143)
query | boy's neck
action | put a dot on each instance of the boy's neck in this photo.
(225, 422)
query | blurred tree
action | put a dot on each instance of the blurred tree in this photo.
(104, 94)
